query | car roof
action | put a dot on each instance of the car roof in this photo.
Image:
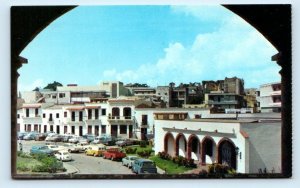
(144, 160)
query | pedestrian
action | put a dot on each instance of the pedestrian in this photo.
(20, 146)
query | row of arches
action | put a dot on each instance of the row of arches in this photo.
(126, 112)
(206, 151)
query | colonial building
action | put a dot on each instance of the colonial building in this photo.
(269, 97)
(247, 145)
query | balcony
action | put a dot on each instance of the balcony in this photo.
(32, 120)
(71, 121)
(92, 121)
(275, 93)
(222, 102)
(121, 119)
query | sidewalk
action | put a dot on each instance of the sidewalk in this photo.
(69, 169)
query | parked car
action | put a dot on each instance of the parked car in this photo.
(41, 149)
(82, 146)
(129, 160)
(72, 148)
(74, 139)
(55, 148)
(63, 156)
(30, 136)
(82, 140)
(89, 137)
(113, 154)
(50, 137)
(67, 137)
(40, 137)
(96, 150)
(104, 139)
(144, 166)
(57, 138)
(20, 135)
(126, 142)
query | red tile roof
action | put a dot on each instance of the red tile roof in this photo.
(32, 105)
(244, 134)
(92, 107)
(76, 108)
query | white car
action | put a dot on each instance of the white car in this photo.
(63, 155)
(74, 139)
(72, 147)
(55, 148)
(129, 160)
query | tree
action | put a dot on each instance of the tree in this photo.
(37, 89)
(53, 86)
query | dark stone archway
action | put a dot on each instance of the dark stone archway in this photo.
(227, 153)
(208, 147)
(193, 146)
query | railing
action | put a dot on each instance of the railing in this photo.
(222, 102)
(120, 118)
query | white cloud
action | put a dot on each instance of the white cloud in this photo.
(235, 49)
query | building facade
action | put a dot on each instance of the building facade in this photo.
(269, 97)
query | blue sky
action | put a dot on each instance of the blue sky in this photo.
(148, 44)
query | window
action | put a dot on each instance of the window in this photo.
(53, 96)
(103, 112)
(18, 116)
(51, 128)
(144, 119)
(89, 114)
(123, 129)
(65, 114)
(80, 116)
(44, 115)
(27, 112)
(57, 115)
(50, 118)
(96, 114)
(103, 129)
(62, 95)
(36, 112)
(73, 116)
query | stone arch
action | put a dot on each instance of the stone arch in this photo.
(181, 145)
(193, 147)
(169, 144)
(208, 150)
(227, 152)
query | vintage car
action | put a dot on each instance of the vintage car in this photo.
(72, 148)
(144, 166)
(129, 160)
(42, 149)
(126, 142)
(113, 154)
(63, 155)
(95, 150)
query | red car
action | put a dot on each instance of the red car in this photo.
(113, 154)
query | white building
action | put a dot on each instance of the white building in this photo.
(269, 97)
(249, 146)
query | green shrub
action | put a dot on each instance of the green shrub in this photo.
(23, 154)
(164, 155)
(144, 152)
(40, 156)
(22, 167)
(130, 150)
(219, 169)
(52, 164)
(143, 144)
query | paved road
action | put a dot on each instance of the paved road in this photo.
(87, 164)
